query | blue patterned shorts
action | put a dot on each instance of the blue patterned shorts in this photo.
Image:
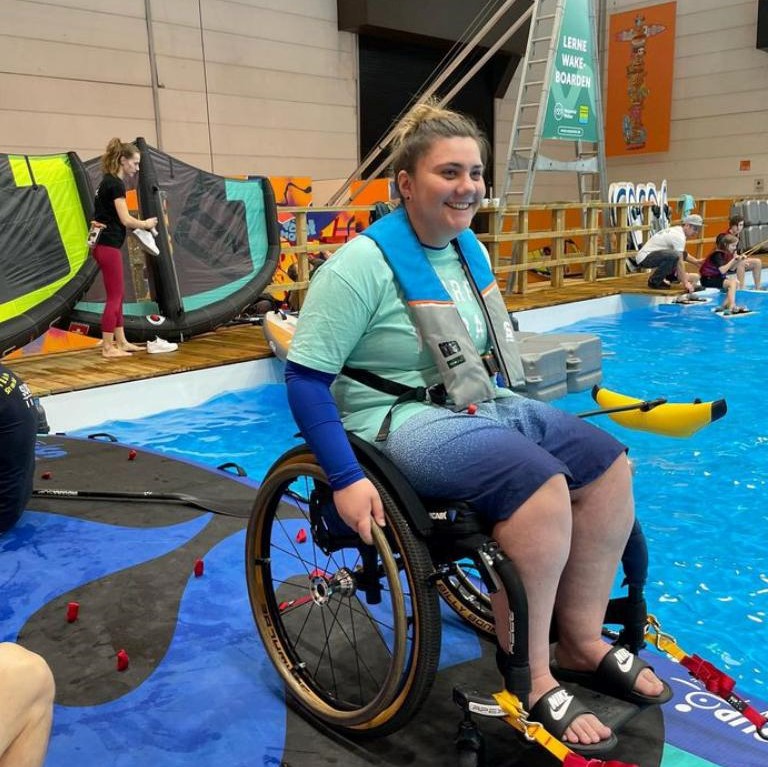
(498, 457)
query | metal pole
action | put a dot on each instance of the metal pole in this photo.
(153, 73)
(456, 88)
(429, 91)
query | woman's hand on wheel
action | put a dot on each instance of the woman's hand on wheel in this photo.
(357, 504)
(150, 223)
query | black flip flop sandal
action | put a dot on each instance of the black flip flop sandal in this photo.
(615, 676)
(556, 711)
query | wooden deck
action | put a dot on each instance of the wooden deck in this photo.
(73, 371)
(576, 290)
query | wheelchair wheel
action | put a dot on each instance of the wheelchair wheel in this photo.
(353, 630)
(464, 592)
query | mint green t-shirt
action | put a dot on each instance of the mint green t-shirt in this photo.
(355, 315)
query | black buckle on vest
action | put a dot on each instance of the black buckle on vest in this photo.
(491, 363)
(433, 395)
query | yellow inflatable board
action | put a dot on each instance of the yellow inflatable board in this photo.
(672, 419)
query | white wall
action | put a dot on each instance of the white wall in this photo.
(719, 108)
(270, 87)
(245, 86)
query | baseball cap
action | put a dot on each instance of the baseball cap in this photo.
(694, 220)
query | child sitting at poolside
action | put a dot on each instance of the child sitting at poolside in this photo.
(714, 270)
(744, 262)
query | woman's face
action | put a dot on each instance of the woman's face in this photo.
(130, 165)
(444, 191)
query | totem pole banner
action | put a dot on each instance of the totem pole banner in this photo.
(570, 111)
(641, 55)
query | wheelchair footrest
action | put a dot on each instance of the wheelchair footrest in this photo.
(479, 703)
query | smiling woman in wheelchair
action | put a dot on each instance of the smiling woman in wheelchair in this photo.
(408, 328)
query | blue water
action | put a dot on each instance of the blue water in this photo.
(701, 500)
(251, 428)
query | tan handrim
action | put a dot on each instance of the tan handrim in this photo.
(384, 705)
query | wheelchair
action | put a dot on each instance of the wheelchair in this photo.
(354, 630)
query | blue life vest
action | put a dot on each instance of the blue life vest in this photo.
(467, 377)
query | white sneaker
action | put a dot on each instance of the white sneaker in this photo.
(161, 346)
(147, 241)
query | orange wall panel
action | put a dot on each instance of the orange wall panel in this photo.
(641, 54)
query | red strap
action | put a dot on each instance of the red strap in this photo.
(721, 684)
(755, 717)
(576, 760)
(714, 680)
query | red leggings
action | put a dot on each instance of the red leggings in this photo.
(110, 261)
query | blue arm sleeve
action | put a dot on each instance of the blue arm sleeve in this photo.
(316, 414)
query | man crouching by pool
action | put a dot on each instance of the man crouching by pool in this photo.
(665, 253)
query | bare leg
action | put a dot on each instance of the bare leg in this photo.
(123, 343)
(27, 690)
(603, 513)
(741, 268)
(109, 348)
(537, 538)
(756, 265)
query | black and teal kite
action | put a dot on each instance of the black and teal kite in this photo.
(218, 239)
(219, 243)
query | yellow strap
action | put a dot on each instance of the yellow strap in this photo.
(661, 641)
(516, 717)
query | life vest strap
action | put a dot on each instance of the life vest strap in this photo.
(434, 395)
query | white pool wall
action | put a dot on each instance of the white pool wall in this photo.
(138, 399)
(551, 318)
(128, 401)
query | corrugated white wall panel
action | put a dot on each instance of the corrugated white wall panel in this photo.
(241, 82)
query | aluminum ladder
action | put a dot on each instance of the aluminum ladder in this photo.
(525, 157)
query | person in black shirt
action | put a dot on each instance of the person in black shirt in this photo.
(715, 268)
(119, 162)
(743, 263)
(18, 429)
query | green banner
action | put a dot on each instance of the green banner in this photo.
(570, 112)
